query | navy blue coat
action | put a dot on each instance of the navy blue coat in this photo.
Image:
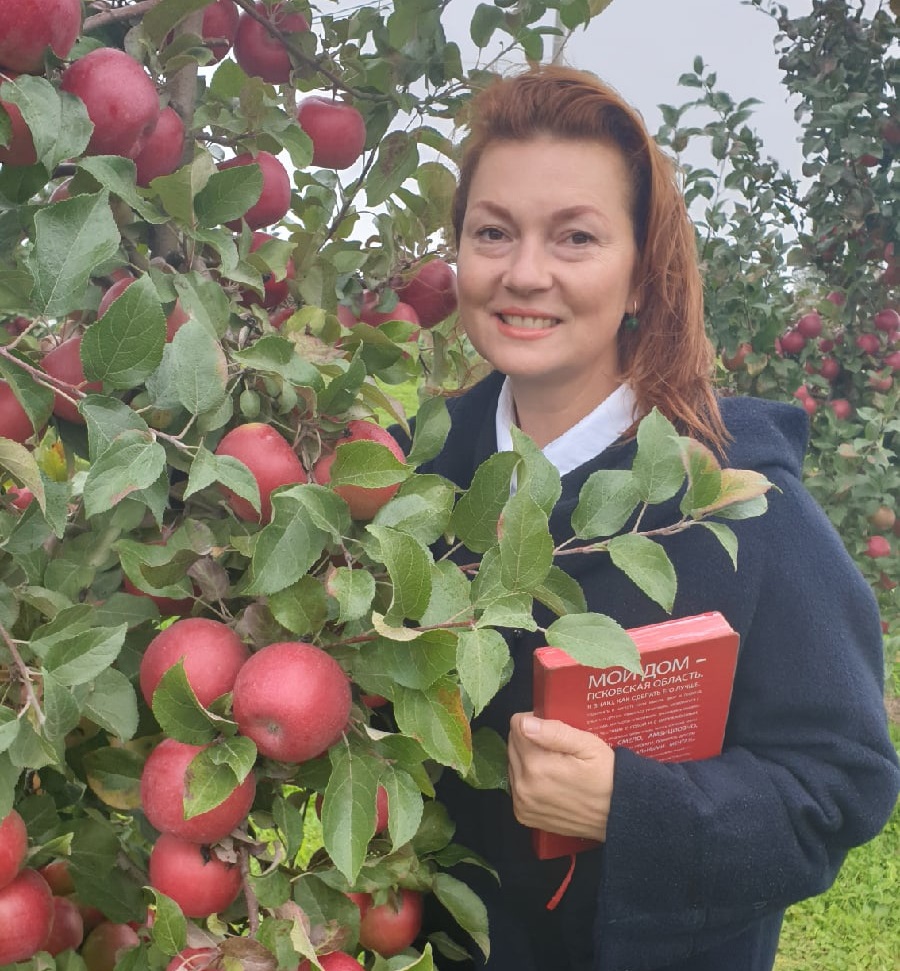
(701, 858)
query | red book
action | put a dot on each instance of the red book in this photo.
(674, 712)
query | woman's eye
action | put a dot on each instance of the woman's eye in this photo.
(581, 238)
(490, 233)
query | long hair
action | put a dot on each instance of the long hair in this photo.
(667, 359)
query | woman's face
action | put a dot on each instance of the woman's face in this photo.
(546, 262)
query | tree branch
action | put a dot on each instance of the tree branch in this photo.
(115, 14)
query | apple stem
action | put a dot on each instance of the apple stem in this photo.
(31, 698)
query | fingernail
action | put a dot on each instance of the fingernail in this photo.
(531, 725)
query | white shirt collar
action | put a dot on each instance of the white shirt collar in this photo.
(584, 440)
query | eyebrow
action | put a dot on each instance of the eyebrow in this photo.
(570, 212)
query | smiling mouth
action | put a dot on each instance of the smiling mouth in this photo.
(529, 323)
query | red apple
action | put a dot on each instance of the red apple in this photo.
(106, 943)
(64, 364)
(163, 149)
(736, 361)
(212, 655)
(837, 298)
(13, 847)
(120, 98)
(14, 421)
(830, 368)
(275, 291)
(793, 342)
(20, 150)
(335, 961)
(841, 407)
(220, 24)
(275, 198)
(29, 27)
(363, 503)
(887, 320)
(391, 927)
(258, 52)
(892, 360)
(810, 405)
(193, 876)
(278, 317)
(165, 781)
(21, 498)
(430, 291)
(868, 343)
(878, 546)
(810, 325)
(337, 130)
(890, 131)
(375, 318)
(67, 930)
(26, 916)
(271, 460)
(167, 606)
(58, 877)
(293, 700)
(883, 518)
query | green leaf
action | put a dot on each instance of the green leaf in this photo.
(125, 345)
(354, 591)
(83, 656)
(536, 475)
(59, 123)
(607, 500)
(277, 355)
(398, 159)
(435, 718)
(114, 775)
(647, 565)
(526, 547)
(408, 564)
(111, 704)
(208, 468)
(465, 906)
(658, 468)
(303, 607)
(134, 461)
(201, 369)
(61, 710)
(432, 427)
(366, 465)
(72, 238)
(106, 419)
(169, 928)
(228, 194)
(725, 535)
(117, 174)
(348, 811)
(178, 712)
(594, 640)
(560, 593)
(485, 20)
(740, 489)
(286, 548)
(484, 665)
(704, 477)
(210, 779)
(20, 463)
(9, 729)
(450, 601)
(156, 24)
(404, 805)
(421, 507)
(477, 512)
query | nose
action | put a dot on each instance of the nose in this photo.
(528, 267)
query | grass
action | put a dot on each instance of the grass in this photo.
(854, 926)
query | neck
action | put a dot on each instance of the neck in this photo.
(546, 411)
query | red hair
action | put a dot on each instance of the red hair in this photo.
(667, 359)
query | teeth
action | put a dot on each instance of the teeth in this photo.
(528, 323)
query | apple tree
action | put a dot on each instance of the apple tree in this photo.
(240, 635)
(802, 270)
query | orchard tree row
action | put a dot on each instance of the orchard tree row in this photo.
(232, 665)
(802, 270)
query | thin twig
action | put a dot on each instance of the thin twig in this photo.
(31, 698)
(111, 16)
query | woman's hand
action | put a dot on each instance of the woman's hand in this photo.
(561, 778)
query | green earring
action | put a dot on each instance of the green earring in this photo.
(630, 321)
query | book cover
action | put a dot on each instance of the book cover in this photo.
(674, 711)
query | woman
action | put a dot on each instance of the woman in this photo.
(578, 282)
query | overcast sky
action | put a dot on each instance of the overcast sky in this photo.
(642, 47)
